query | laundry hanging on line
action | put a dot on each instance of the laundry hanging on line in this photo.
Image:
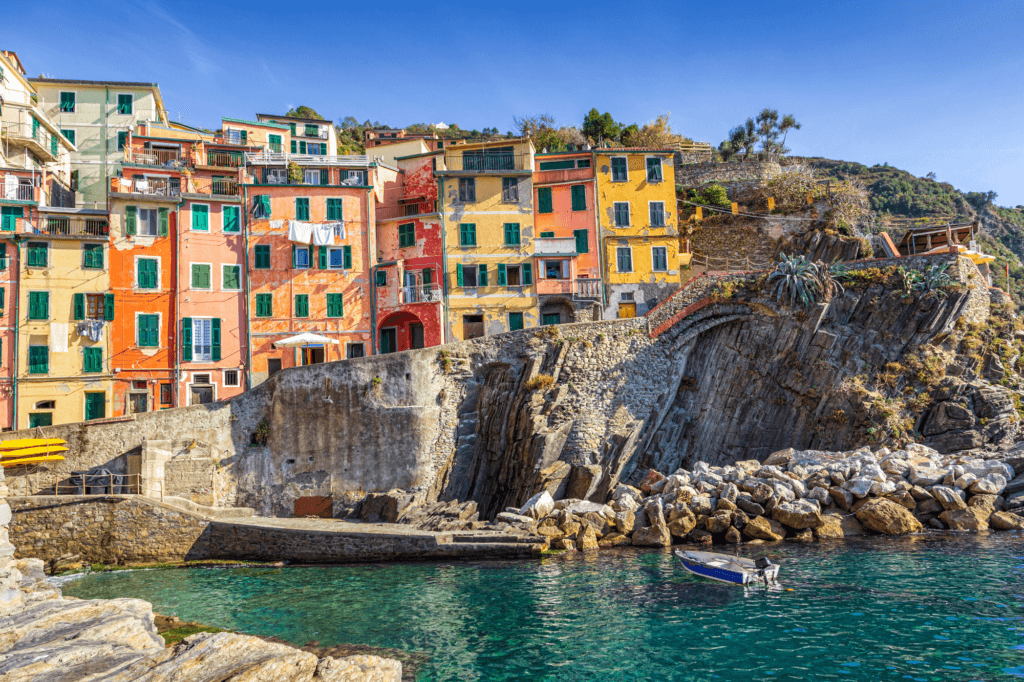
(58, 337)
(300, 232)
(323, 234)
(93, 329)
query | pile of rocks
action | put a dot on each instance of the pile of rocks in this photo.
(797, 495)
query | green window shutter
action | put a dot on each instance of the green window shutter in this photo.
(38, 359)
(292, 127)
(69, 134)
(582, 241)
(295, 260)
(162, 222)
(482, 278)
(264, 305)
(186, 339)
(200, 276)
(467, 234)
(427, 276)
(232, 277)
(544, 199)
(302, 209)
(215, 339)
(512, 236)
(324, 176)
(293, 146)
(335, 305)
(38, 305)
(122, 140)
(231, 222)
(265, 205)
(201, 218)
(527, 274)
(79, 306)
(93, 360)
(458, 273)
(579, 197)
(347, 253)
(301, 305)
(333, 209)
(3, 302)
(3, 256)
(302, 147)
(262, 256)
(108, 307)
(502, 275)
(322, 257)
(654, 170)
(381, 278)
(130, 213)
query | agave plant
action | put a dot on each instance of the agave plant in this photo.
(795, 280)
(932, 278)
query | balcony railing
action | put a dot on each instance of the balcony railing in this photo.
(269, 158)
(391, 211)
(562, 175)
(275, 147)
(224, 186)
(74, 226)
(34, 135)
(18, 192)
(469, 162)
(165, 187)
(155, 157)
(549, 246)
(421, 293)
(224, 159)
(587, 289)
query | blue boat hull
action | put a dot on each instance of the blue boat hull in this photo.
(719, 574)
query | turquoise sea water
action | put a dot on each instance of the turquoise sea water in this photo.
(929, 608)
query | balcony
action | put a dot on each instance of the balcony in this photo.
(496, 163)
(74, 226)
(421, 293)
(554, 246)
(224, 159)
(157, 187)
(554, 286)
(269, 158)
(586, 289)
(393, 211)
(563, 175)
(33, 136)
(222, 186)
(170, 158)
(19, 192)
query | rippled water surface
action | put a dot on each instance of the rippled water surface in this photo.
(910, 609)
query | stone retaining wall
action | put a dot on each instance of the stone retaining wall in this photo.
(697, 174)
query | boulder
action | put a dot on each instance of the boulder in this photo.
(550, 532)
(990, 503)
(948, 497)
(903, 498)
(719, 523)
(613, 540)
(682, 526)
(780, 458)
(860, 487)
(749, 506)
(831, 527)
(851, 526)
(992, 484)
(725, 505)
(929, 506)
(758, 490)
(622, 491)
(919, 493)
(358, 669)
(583, 481)
(740, 519)
(778, 528)
(564, 543)
(655, 512)
(733, 536)
(598, 522)
(730, 493)
(925, 476)
(885, 516)
(625, 522)
(820, 494)
(650, 480)
(701, 505)
(586, 539)
(760, 529)
(797, 515)
(538, 506)
(652, 536)
(701, 537)
(969, 518)
(385, 507)
(805, 535)
(571, 529)
(842, 497)
(515, 519)
(1006, 521)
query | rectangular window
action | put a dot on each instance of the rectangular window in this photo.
(467, 190)
(96, 307)
(302, 305)
(515, 321)
(544, 204)
(334, 209)
(295, 146)
(579, 197)
(512, 234)
(547, 235)
(200, 217)
(335, 305)
(659, 258)
(654, 170)
(407, 234)
(9, 217)
(657, 213)
(38, 305)
(624, 259)
(467, 234)
(336, 259)
(582, 241)
(312, 130)
(466, 275)
(149, 219)
(292, 128)
(264, 305)
(621, 214)
(201, 276)
(620, 170)
(231, 219)
(302, 209)
(148, 335)
(38, 254)
(67, 102)
(513, 275)
(68, 134)
(92, 256)
(147, 271)
(38, 359)
(125, 104)
(510, 190)
(261, 206)
(262, 257)
(202, 340)
(381, 278)
(92, 360)
(482, 275)
(122, 140)
(231, 378)
(231, 277)
(311, 176)
(300, 257)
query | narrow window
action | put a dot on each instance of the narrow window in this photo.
(407, 234)
(302, 209)
(544, 204)
(579, 197)
(654, 170)
(467, 190)
(147, 273)
(67, 102)
(231, 220)
(92, 256)
(624, 259)
(512, 234)
(467, 234)
(148, 333)
(125, 104)
(621, 213)
(335, 305)
(302, 305)
(620, 171)
(582, 241)
(659, 258)
(657, 214)
(264, 305)
(510, 190)
(39, 305)
(200, 217)
(262, 257)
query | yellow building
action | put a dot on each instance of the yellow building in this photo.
(487, 202)
(637, 227)
(63, 374)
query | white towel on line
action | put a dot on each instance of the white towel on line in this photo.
(58, 337)
(323, 234)
(276, 224)
(300, 232)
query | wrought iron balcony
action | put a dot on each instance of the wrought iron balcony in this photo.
(493, 162)
(155, 157)
(224, 159)
(421, 293)
(223, 186)
(74, 226)
(19, 192)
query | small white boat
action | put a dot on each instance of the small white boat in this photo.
(727, 568)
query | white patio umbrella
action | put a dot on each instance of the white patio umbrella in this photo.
(304, 339)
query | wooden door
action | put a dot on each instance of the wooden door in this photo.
(627, 310)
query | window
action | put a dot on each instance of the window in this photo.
(654, 170)
(511, 234)
(355, 350)
(95, 307)
(122, 139)
(302, 305)
(262, 256)
(621, 214)
(38, 305)
(311, 176)
(67, 102)
(302, 209)
(579, 197)
(407, 234)
(515, 321)
(40, 419)
(300, 257)
(381, 278)
(556, 269)
(261, 206)
(231, 377)
(148, 335)
(624, 259)
(74, 181)
(337, 258)
(547, 235)
(92, 360)
(231, 277)
(544, 200)
(659, 258)
(467, 234)
(620, 171)
(68, 134)
(481, 275)
(291, 126)
(92, 256)
(204, 341)
(165, 394)
(510, 190)
(9, 217)
(147, 273)
(334, 209)
(467, 190)
(582, 241)
(355, 177)
(335, 305)
(201, 276)
(38, 359)
(201, 217)
(312, 130)
(145, 221)
(230, 216)
(38, 254)
(125, 104)
(657, 209)
(465, 275)
(264, 305)
(274, 142)
(509, 275)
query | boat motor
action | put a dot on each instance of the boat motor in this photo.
(762, 563)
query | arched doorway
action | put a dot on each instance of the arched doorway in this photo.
(557, 310)
(399, 331)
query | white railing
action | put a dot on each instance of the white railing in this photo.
(587, 288)
(421, 293)
(266, 158)
(552, 245)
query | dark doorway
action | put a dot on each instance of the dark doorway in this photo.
(273, 366)
(416, 331)
(472, 326)
(312, 356)
(202, 394)
(388, 340)
(355, 350)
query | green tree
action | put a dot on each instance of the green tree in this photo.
(598, 127)
(770, 128)
(742, 138)
(304, 112)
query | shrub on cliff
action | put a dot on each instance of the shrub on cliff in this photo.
(798, 280)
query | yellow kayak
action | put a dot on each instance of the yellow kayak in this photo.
(30, 443)
(26, 452)
(30, 460)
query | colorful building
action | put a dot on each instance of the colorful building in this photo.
(306, 136)
(486, 192)
(294, 284)
(408, 293)
(567, 254)
(637, 227)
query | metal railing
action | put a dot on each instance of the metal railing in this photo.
(74, 226)
(587, 289)
(706, 263)
(268, 158)
(166, 187)
(30, 133)
(421, 293)
(469, 162)
(224, 159)
(275, 147)
(389, 211)
(98, 484)
(155, 157)
(19, 192)
(224, 186)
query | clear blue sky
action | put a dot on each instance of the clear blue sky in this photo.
(925, 86)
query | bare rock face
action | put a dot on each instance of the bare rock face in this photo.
(1006, 521)
(885, 516)
(584, 480)
(760, 529)
(586, 539)
(652, 536)
(798, 515)
(831, 527)
(970, 518)
(359, 669)
(385, 507)
(613, 540)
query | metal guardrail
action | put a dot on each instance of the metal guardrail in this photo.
(155, 157)
(224, 159)
(165, 187)
(74, 226)
(221, 186)
(421, 293)
(726, 264)
(469, 162)
(30, 133)
(19, 192)
(268, 158)
(99, 484)
(389, 211)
